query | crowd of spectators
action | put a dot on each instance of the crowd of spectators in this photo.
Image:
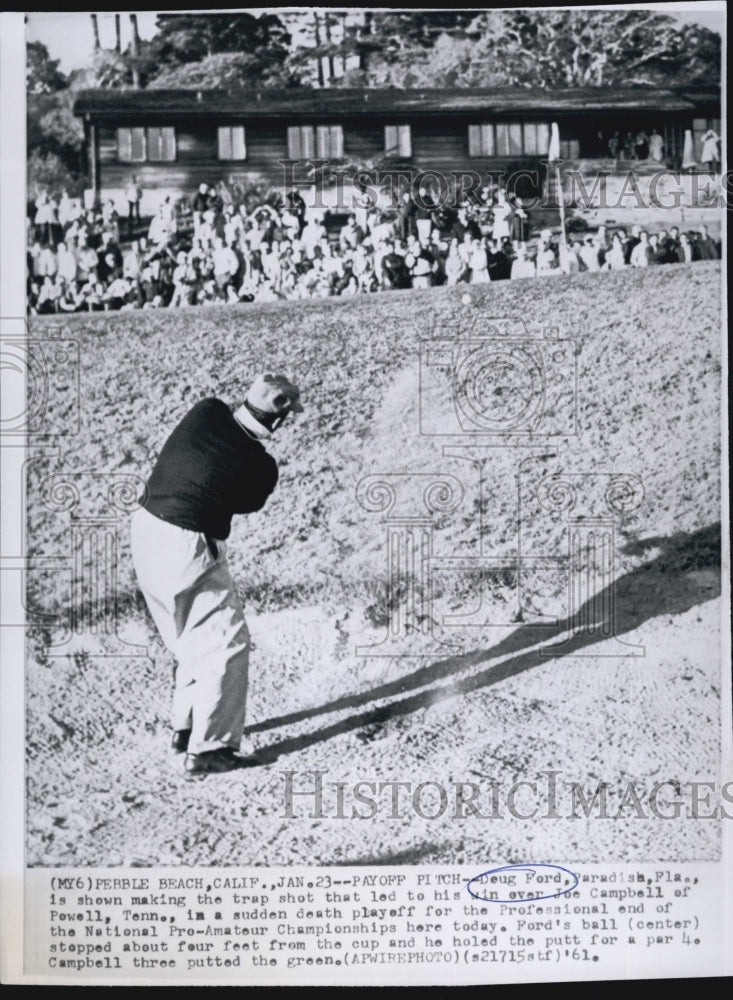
(222, 252)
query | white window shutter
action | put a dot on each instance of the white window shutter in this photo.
(337, 142)
(294, 150)
(124, 145)
(307, 141)
(137, 141)
(224, 140)
(239, 146)
(323, 144)
(543, 139)
(168, 151)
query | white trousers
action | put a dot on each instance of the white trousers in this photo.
(200, 618)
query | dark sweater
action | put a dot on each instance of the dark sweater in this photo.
(208, 470)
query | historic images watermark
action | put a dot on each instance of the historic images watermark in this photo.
(547, 797)
(664, 188)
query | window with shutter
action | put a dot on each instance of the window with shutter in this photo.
(481, 140)
(161, 143)
(154, 143)
(124, 145)
(330, 142)
(130, 145)
(502, 139)
(530, 138)
(168, 144)
(239, 143)
(301, 144)
(231, 141)
(515, 140)
(543, 139)
(323, 144)
(397, 141)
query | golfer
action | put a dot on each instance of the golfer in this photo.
(212, 466)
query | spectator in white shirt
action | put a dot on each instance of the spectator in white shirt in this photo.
(67, 264)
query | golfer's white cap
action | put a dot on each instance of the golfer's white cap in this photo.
(274, 394)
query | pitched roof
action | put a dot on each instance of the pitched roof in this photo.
(302, 102)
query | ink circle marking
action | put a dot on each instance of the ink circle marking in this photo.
(525, 868)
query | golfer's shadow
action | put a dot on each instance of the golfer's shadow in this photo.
(684, 574)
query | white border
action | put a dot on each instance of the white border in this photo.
(12, 708)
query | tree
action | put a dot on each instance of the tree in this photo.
(110, 70)
(54, 135)
(531, 48)
(226, 70)
(586, 48)
(189, 38)
(42, 74)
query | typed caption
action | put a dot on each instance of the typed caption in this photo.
(524, 922)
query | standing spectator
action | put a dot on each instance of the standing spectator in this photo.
(502, 217)
(72, 300)
(656, 146)
(297, 207)
(133, 196)
(132, 261)
(615, 258)
(666, 249)
(421, 265)
(424, 206)
(641, 255)
(184, 281)
(45, 218)
(547, 261)
(522, 266)
(394, 269)
(406, 216)
(312, 235)
(110, 219)
(87, 261)
(685, 250)
(225, 263)
(363, 208)
(34, 254)
(632, 242)
(707, 248)
(199, 205)
(159, 231)
(47, 262)
(479, 263)
(710, 155)
(455, 266)
(117, 293)
(49, 296)
(520, 223)
(641, 146)
(569, 257)
(351, 235)
(603, 242)
(589, 254)
(65, 210)
(498, 265)
(67, 263)
(614, 145)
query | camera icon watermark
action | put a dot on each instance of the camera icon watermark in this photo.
(501, 384)
(38, 377)
(556, 585)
